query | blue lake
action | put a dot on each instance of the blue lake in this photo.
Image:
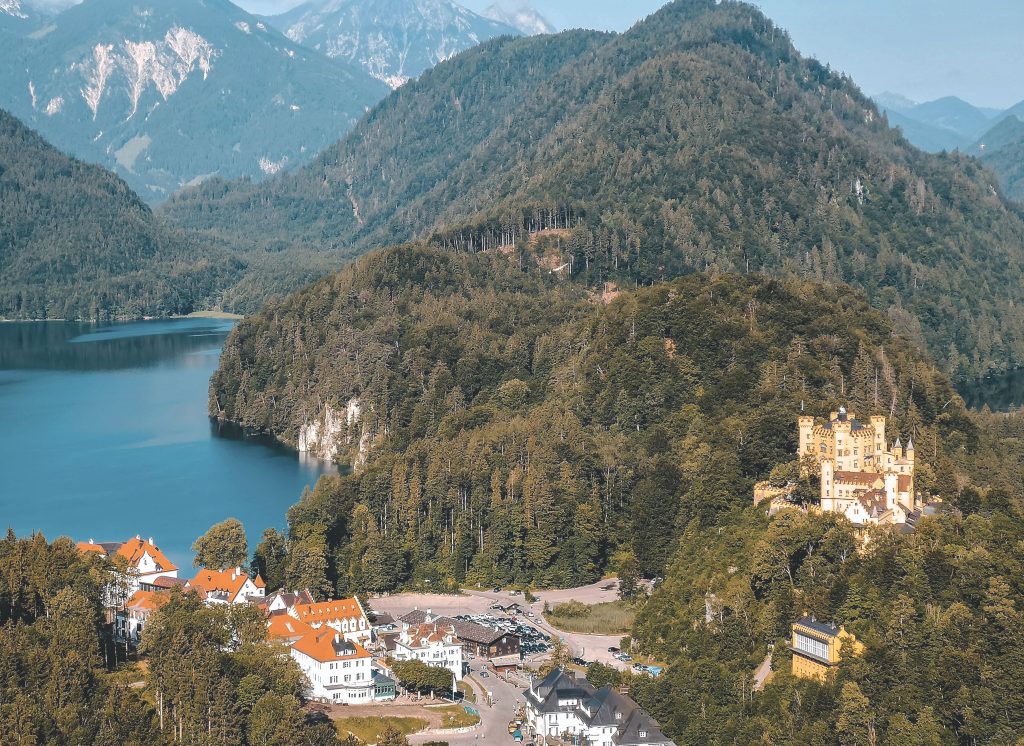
(104, 435)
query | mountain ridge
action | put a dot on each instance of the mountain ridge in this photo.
(664, 145)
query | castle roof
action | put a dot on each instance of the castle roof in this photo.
(866, 478)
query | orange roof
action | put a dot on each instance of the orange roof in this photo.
(229, 581)
(326, 611)
(285, 627)
(146, 601)
(88, 546)
(320, 645)
(134, 549)
(430, 633)
(258, 581)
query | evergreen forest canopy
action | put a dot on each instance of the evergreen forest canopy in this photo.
(76, 242)
(700, 138)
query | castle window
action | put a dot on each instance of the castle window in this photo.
(823, 448)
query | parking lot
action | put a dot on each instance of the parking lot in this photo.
(532, 640)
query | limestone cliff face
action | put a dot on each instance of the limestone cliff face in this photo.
(338, 433)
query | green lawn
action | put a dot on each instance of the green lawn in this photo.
(609, 618)
(368, 729)
(467, 691)
(456, 716)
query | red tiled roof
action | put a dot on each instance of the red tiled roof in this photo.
(229, 581)
(134, 549)
(328, 611)
(320, 645)
(89, 546)
(284, 627)
(147, 601)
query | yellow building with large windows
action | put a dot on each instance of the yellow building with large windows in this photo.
(817, 648)
(861, 476)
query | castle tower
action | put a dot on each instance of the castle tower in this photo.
(806, 425)
(878, 425)
(828, 487)
(891, 489)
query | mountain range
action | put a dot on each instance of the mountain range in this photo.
(168, 94)
(951, 123)
(660, 151)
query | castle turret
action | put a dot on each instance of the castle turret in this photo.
(878, 425)
(828, 488)
(891, 490)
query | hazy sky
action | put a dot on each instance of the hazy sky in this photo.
(923, 49)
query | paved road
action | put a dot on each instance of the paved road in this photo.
(494, 718)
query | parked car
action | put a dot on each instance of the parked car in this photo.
(497, 589)
(613, 650)
(484, 674)
(515, 592)
(625, 657)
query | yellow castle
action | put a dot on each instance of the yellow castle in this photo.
(861, 477)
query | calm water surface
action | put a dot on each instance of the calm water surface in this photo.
(104, 435)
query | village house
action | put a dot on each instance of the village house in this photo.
(231, 586)
(817, 648)
(433, 641)
(286, 628)
(345, 615)
(501, 649)
(561, 708)
(130, 620)
(145, 565)
(339, 670)
(285, 600)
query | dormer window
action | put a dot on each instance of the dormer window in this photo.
(618, 716)
(642, 734)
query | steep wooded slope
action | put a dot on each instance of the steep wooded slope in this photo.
(75, 241)
(506, 427)
(698, 138)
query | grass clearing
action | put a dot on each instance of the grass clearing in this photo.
(368, 729)
(467, 691)
(608, 618)
(457, 716)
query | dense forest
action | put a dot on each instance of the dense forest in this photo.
(211, 676)
(76, 242)
(517, 429)
(699, 138)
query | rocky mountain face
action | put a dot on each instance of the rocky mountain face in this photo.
(167, 94)
(392, 40)
(521, 16)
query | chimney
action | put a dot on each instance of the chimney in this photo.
(138, 538)
(91, 541)
(151, 542)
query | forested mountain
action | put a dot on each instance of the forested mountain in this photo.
(1002, 150)
(507, 426)
(169, 93)
(392, 40)
(75, 241)
(699, 138)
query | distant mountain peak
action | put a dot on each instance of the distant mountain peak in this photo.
(519, 15)
(393, 40)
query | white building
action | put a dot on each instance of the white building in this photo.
(345, 615)
(144, 565)
(130, 621)
(435, 643)
(231, 586)
(561, 706)
(338, 669)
